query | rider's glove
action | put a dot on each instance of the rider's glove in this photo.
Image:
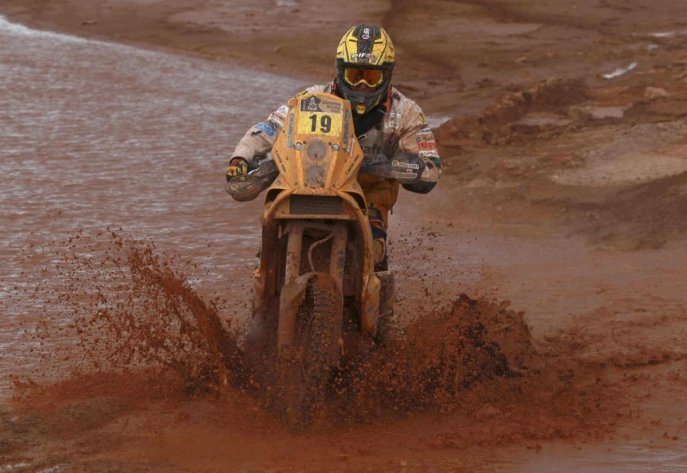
(237, 167)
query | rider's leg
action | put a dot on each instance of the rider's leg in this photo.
(380, 195)
(378, 227)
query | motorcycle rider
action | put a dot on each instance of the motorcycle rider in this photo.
(388, 125)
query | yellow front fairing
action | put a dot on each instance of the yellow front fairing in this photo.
(316, 152)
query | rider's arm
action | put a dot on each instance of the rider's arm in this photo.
(259, 139)
(416, 143)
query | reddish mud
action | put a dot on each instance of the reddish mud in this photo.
(129, 309)
(560, 214)
(149, 342)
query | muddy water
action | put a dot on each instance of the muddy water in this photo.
(97, 135)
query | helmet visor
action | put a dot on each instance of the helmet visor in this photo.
(356, 76)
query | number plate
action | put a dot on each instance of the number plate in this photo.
(319, 117)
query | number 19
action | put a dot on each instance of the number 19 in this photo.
(325, 123)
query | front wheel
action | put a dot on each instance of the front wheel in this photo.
(306, 365)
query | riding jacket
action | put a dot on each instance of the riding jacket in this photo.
(396, 125)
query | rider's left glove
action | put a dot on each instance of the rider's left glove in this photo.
(237, 167)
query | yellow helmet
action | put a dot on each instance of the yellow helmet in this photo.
(364, 62)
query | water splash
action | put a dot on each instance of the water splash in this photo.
(111, 303)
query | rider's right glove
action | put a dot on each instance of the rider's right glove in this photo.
(237, 167)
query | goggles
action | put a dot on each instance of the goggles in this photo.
(356, 76)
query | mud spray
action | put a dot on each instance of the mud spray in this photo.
(120, 321)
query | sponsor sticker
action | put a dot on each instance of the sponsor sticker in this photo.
(311, 104)
(347, 131)
(290, 135)
(424, 133)
(425, 140)
(429, 154)
(404, 174)
(391, 122)
(402, 164)
(280, 113)
(428, 145)
(330, 106)
(268, 127)
(368, 57)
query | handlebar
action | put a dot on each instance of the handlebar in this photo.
(403, 167)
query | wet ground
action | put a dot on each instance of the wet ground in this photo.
(570, 209)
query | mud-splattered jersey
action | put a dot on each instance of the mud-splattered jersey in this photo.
(403, 128)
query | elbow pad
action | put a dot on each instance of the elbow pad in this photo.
(427, 173)
(415, 173)
(420, 187)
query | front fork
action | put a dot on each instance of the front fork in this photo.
(296, 280)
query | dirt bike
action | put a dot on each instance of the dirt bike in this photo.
(316, 294)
